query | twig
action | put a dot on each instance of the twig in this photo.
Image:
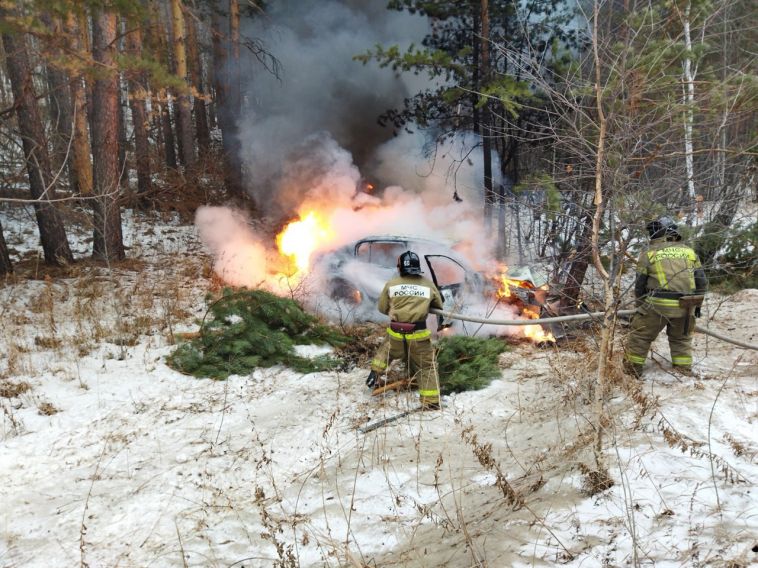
(181, 544)
(710, 422)
(82, 526)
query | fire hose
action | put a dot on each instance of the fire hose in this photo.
(578, 317)
(556, 319)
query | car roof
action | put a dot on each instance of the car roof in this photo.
(404, 238)
(434, 246)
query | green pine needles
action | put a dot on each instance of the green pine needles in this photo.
(468, 363)
(246, 329)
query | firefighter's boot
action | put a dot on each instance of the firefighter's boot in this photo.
(372, 379)
(633, 369)
(685, 370)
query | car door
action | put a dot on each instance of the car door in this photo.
(449, 276)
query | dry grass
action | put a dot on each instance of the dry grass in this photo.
(9, 389)
(594, 481)
(71, 311)
(47, 409)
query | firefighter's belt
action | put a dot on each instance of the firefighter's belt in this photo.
(692, 301)
(402, 327)
(666, 294)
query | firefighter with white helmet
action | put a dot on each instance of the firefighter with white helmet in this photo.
(407, 299)
(669, 291)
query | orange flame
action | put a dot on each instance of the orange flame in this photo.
(506, 284)
(300, 238)
(534, 332)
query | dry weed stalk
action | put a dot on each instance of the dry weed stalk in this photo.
(82, 526)
(647, 405)
(17, 361)
(16, 426)
(483, 453)
(739, 448)
(274, 527)
(49, 306)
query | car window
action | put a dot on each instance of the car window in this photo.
(382, 254)
(446, 270)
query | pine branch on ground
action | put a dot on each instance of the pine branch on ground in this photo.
(468, 363)
(246, 329)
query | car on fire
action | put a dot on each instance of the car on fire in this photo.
(356, 273)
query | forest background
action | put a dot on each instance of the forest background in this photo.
(580, 121)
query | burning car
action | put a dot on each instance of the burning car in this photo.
(357, 272)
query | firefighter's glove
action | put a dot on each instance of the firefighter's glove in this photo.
(372, 379)
(697, 312)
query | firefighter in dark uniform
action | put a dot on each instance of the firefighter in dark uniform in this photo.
(669, 291)
(407, 299)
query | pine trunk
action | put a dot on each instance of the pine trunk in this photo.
(123, 143)
(224, 108)
(196, 79)
(169, 144)
(486, 121)
(137, 93)
(184, 121)
(108, 244)
(158, 40)
(80, 147)
(575, 278)
(41, 183)
(235, 94)
(59, 102)
(6, 267)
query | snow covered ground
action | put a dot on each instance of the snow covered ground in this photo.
(110, 458)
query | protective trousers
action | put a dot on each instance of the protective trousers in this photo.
(647, 323)
(418, 355)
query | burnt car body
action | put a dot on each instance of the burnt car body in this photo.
(356, 273)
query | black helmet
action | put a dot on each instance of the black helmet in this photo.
(663, 227)
(408, 263)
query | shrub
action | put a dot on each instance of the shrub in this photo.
(246, 329)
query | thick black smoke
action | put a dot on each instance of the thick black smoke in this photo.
(321, 88)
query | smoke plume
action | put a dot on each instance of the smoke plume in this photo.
(321, 88)
(311, 145)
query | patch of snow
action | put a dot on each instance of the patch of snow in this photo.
(133, 463)
(311, 351)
